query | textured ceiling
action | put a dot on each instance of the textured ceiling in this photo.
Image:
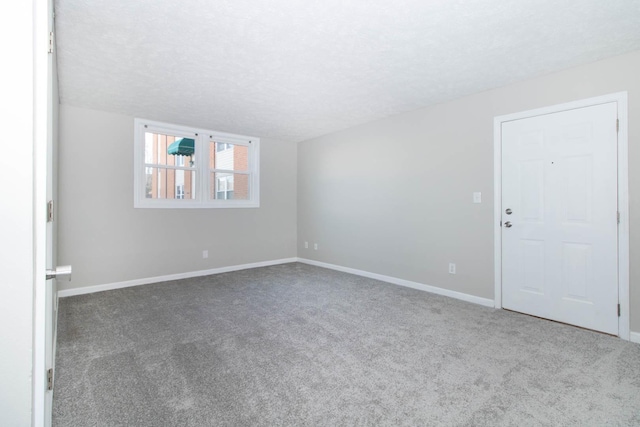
(295, 69)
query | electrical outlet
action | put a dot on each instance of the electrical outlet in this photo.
(452, 268)
(205, 254)
(315, 246)
(306, 245)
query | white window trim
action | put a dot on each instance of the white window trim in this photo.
(202, 139)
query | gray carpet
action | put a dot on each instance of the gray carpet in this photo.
(298, 345)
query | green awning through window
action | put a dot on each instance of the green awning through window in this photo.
(182, 147)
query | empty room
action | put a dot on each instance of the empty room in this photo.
(353, 213)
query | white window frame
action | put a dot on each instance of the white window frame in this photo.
(202, 185)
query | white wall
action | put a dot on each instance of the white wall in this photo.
(107, 240)
(394, 197)
(16, 215)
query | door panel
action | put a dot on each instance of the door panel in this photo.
(575, 271)
(532, 258)
(51, 185)
(532, 184)
(559, 257)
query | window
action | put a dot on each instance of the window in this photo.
(180, 167)
(224, 187)
(180, 191)
(222, 147)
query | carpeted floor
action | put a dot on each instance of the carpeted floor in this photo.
(298, 345)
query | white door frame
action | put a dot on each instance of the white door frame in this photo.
(41, 140)
(623, 195)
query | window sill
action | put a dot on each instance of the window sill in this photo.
(165, 204)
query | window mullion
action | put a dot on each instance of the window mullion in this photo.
(157, 166)
(203, 166)
(231, 171)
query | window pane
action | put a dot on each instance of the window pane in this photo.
(228, 156)
(229, 186)
(160, 149)
(164, 183)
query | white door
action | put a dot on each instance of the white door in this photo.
(45, 230)
(559, 217)
(51, 297)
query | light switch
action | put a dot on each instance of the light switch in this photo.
(477, 197)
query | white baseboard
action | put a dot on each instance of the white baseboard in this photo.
(146, 281)
(634, 337)
(401, 282)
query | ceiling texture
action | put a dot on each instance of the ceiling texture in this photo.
(294, 69)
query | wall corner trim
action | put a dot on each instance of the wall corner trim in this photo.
(149, 280)
(487, 302)
(634, 337)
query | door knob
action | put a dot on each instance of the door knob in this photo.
(508, 224)
(508, 211)
(61, 272)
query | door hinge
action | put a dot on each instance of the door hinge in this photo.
(50, 379)
(50, 211)
(51, 42)
(618, 217)
(619, 310)
(617, 125)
